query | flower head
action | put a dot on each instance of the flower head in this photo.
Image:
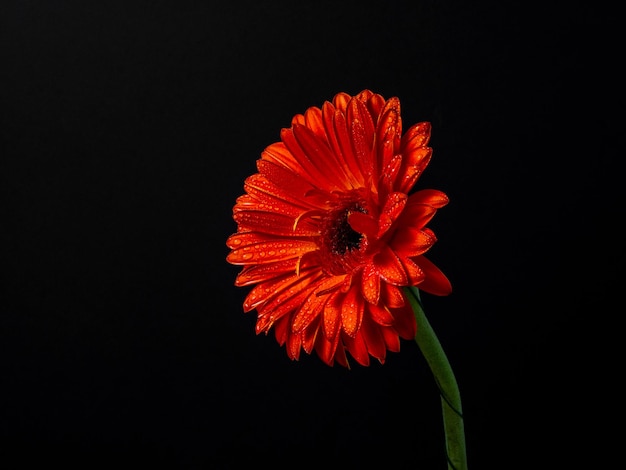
(328, 233)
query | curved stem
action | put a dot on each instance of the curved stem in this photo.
(448, 388)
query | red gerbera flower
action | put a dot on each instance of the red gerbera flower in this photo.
(328, 234)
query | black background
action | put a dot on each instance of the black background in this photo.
(127, 129)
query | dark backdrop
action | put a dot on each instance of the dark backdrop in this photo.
(127, 129)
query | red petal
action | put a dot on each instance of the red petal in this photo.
(388, 132)
(338, 142)
(414, 272)
(415, 215)
(283, 311)
(370, 285)
(416, 136)
(361, 130)
(357, 348)
(342, 134)
(309, 336)
(364, 95)
(392, 341)
(436, 282)
(309, 311)
(292, 184)
(393, 208)
(314, 304)
(375, 103)
(298, 119)
(279, 154)
(352, 312)
(332, 316)
(304, 160)
(404, 321)
(393, 296)
(265, 291)
(254, 273)
(264, 190)
(341, 357)
(363, 223)
(275, 223)
(341, 101)
(431, 197)
(374, 340)
(321, 157)
(326, 348)
(291, 298)
(388, 176)
(263, 324)
(313, 120)
(294, 345)
(281, 330)
(380, 315)
(265, 252)
(410, 241)
(413, 165)
(389, 267)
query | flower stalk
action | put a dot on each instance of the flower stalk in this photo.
(438, 362)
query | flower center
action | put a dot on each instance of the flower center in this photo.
(341, 248)
(341, 236)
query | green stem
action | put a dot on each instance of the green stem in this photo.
(448, 388)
